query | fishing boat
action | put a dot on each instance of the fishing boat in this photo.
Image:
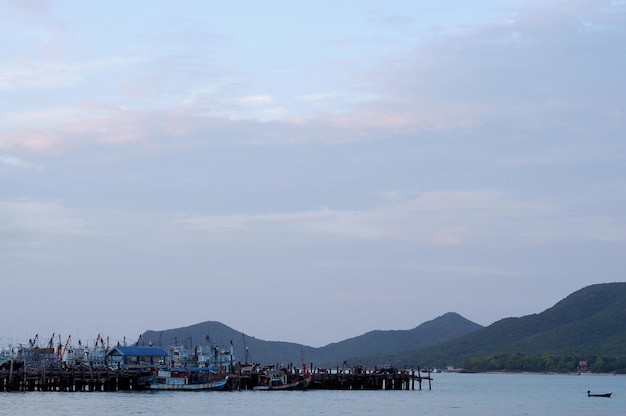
(5, 356)
(199, 369)
(589, 394)
(212, 357)
(279, 380)
(189, 378)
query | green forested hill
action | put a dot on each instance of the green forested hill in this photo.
(588, 323)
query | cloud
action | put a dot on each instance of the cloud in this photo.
(254, 100)
(111, 126)
(33, 75)
(316, 97)
(182, 126)
(48, 117)
(436, 86)
(37, 140)
(27, 73)
(430, 219)
(396, 20)
(26, 215)
(36, 7)
(16, 162)
(472, 270)
(515, 72)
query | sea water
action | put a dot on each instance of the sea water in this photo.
(451, 394)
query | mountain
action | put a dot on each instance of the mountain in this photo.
(590, 321)
(443, 328)
(246, 348)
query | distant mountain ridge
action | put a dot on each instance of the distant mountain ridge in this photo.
(443, 328)
(589, 321)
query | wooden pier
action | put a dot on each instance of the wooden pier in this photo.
(370, 380)
(340, 379)
(16, 377)
(71, 379)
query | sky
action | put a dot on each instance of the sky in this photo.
(305, 171)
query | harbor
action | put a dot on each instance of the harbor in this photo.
(76, 379)
(107, 368)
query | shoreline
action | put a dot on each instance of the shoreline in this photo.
(588, 374)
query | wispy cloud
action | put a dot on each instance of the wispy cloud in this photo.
(395, 19)
(254, 100)
(25, 73)
(317, 96)
(46, 217)
(33, 139)
(36, 7)
(434, 219)
(44, 118)
(13, 161)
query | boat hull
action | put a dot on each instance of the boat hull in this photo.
(296, 385)
(187, 379)
(212, 385)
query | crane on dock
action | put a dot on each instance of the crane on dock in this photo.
(33, 342)
(62, 351)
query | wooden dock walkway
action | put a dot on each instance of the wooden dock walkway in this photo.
(84, 378)
(71, 379)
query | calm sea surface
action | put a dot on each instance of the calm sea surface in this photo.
(451, 394)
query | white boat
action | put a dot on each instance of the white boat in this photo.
(212, 357)
(190, 378)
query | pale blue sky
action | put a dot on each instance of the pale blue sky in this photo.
(306, 172)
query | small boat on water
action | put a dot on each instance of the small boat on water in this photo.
(279, 380)
(589, 394)
(190, 378)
